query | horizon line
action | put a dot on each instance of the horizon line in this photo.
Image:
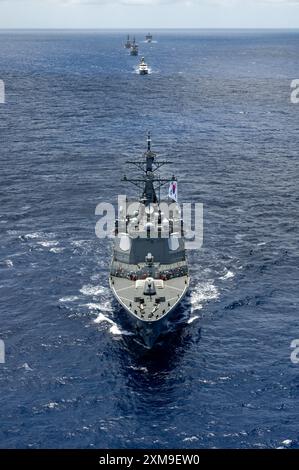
(179, 28)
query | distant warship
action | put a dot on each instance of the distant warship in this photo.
(149, 37)
(134, 48)
(128, 43)
(149, 271)
(143, 67)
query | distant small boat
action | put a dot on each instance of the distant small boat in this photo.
(134, 48)
(128, 43)
(143, 67)
(149, 37)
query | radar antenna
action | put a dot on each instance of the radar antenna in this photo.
(149, 182)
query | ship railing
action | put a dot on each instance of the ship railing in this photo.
(164, 275)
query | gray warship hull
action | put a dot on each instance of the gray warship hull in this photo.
(149, 330)
(149, 273)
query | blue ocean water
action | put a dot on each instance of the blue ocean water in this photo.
(218, 105)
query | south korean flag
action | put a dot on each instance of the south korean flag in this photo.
(173, 191)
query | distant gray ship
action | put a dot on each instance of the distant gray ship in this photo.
(149, 271)
(149, 37)
(134, 48)
(128, 43)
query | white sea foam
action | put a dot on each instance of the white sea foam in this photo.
(192, 319)
(141, 369)
(26, 367)
(114, 329)
(70, 298)
(190, 439)
(79, 243)
(102, 318)
(90, 290)
(56, 250)
(32, 236)
(202, 293)
(46, 238)
(52, 405)
(48, 243)
(106, 306)
(227, 275)
(8, 263)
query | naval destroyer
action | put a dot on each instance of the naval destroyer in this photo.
(149, 37)
(134, 48)
(128, 43)
(149, 272)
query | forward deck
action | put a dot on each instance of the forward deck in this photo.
(167, 293)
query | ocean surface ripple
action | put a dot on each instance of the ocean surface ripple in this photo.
(218, 105)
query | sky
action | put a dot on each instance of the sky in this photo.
(149, 14)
